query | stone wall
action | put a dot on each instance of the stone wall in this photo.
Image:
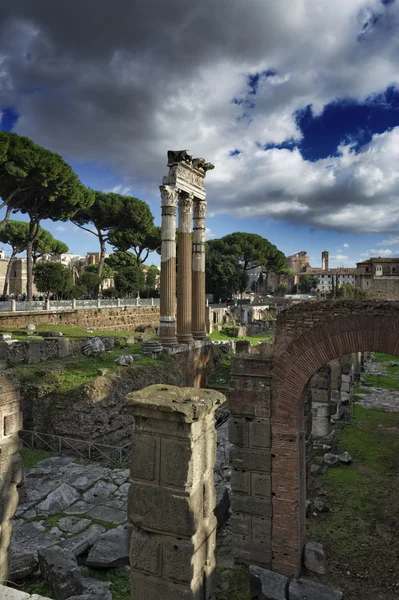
(94, 411)
(383, 288)
(118, 319)
(172, 495)
(10, 465)
(249, 432)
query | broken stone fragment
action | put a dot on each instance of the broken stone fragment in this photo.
(267, 585)
(345, 458)
(332, 460)
(302, 588)
(93, 347)
(315, 559)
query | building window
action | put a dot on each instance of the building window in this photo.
(367, 269)
(393, 269)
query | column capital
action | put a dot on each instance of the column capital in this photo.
(185, 202)
(200, 209)
(168, 195)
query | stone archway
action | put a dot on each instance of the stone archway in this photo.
(308, 337)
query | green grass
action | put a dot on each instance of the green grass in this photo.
(30, 458)
(70, 373)
(381, 358)
(219, 336)
(41, 588)
(69, 331)
(358, 493)
(120, 581)
(390, 381)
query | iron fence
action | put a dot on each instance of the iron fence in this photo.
(56, 305)
(115, 456)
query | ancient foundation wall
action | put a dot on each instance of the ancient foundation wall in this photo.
(172, 495)
(118, 319)
(10, 465)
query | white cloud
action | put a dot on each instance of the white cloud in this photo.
(61, 228)
(125, 190)
(340, 257)
(209, 235)
(380, 253)
(345, 246)
(123, 97)
(392, 241)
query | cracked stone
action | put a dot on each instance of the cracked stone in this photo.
(73, 524)
(106, 513)
(59, 499)
(80, 543)
(99, 492)
(111, 549)
(79, 508)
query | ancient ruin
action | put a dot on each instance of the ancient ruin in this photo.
(183, 187)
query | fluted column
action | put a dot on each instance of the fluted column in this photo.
(184, 268)
(167, 333)
(199, 322)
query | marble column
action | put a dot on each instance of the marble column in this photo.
(184, 268)
(167, 330)
(199, 322)
(357, 367)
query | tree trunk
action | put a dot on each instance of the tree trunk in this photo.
(103, 252)
(33, 232)
(8, 273)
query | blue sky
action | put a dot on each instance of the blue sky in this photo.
(298, 109)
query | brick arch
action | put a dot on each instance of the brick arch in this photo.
(307, 339)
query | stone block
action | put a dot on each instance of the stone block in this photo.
(248, 552)
(319, 395)
(146, 587)
(249, 504)
(240, 481)
(261, 485)
(145, 457)
(241, 524)
(157, 509)
(12, 423)
(178, 560)
(176, 464)
(315, 559)
(302, 588)
(7, 593)
(259, 433)
(267, 585)
(60, 568)
(262, 530)
(111, 549)
(238, 431)
(145, 552)
(251, 458)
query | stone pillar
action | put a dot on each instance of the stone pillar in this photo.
(172, 495)
(250, 433)
(357, 367)
(320, 389)
(47, 305)
(13, 306)
(184, 269)
(73, 303)
(199, 304)
(10, 466)
(167, 329)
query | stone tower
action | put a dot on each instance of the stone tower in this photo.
(324, 260)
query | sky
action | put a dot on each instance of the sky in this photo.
(296, 103)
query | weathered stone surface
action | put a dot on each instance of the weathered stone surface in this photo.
(109, 514)
(73, 524)
(93, 347)
(302, 588)
(79, 508)
(96, 588)
(267, 585)
(60, 568)
(58, 500)
(55, 462)
(7, 593)
(78, 544)
(111, 549)
(345, 458)
(315, 559)
(83, 477)
(26, 541)
(332, 460)
(99, 492)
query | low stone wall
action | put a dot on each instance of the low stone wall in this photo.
(125, 319)
(10, 466)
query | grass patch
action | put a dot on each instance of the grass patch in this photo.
(71, 373)
(390, 381)
(69, 331)
(220, 336)
(232, 583)
(41, 588)
(120, 581)
(30, 458)
(380, 357)
(362, 495)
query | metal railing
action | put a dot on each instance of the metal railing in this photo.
(86, 450)
(58, 305)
